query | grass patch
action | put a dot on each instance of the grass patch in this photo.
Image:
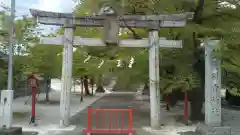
(51, 102)
(20, 115)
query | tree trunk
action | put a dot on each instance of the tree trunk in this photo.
(92, 84)
(146, 90)
(186, 106)
(85, 82)
(197, 95)
(167, 102)
(74, 85)
(100, 89)
(81, 98)
(47, 84)
(196, 105)
(100, 85)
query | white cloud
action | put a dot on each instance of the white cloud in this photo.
(64, 6)
(48, 5)
(7, 2)
(22, 8)
(55, 5)
(67, 5)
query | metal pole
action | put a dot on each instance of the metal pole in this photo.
(33, 117)
(10, 49)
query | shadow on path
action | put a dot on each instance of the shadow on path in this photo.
(141, 116)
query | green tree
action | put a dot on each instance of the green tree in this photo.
(46, 61)
(211, 19)
(22, 31)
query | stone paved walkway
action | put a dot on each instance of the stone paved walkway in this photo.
(231, 117)
(141, 114)
(117, 101)
(48, 115)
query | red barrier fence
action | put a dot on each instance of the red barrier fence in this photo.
(117, 121)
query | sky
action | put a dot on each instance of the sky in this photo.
(23, 6)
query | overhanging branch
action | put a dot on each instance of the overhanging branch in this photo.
(198, 11)
(220, 14)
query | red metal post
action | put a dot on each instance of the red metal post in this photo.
(89, 118)
(122, 122)
(130, 118)
(110, 120)
(32, 80)
(116, 120)
(34, 92)
(103, 120)
(186, 106)
(97, 119)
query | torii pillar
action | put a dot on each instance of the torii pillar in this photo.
(66, 84)
(154, 79)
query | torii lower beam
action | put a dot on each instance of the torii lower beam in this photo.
(153, 43)
(131, 43)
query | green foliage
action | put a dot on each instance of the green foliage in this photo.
(22, 31)
(139, 73)
(211, 20)
(234, 91)
(45, 60)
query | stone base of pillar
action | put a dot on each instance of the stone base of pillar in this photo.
(203, 129)
(11, 131)
(141, 94)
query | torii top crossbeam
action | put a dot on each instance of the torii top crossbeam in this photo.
(137, 21)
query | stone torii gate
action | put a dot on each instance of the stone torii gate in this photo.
(111, 24)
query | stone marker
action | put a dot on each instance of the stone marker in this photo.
(6, 114)
(213, 115)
